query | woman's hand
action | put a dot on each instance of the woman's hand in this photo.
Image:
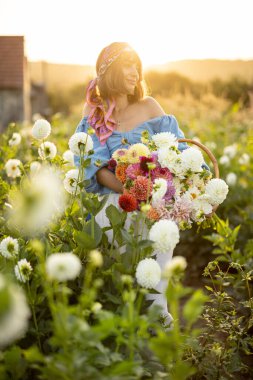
(106, 178)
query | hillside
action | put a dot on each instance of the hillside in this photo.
(203, 70)
(66, 76)
(57, 76)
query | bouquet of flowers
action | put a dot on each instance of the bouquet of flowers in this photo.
(165, 182)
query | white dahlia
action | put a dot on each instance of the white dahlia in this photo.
(63, 266)
(201, 206)
(41, 129)
(70, 182)
(217, 190)
(197, 181)
(165, 140)
(191, 193)
(68, 156)
(148, 273)
(167, 157)
(80, 141)
(9, 247)
(47, 150)
(192, 159)
(231, 179)
(14, 318)
(159, 190)
(23, 270)
(177, 264)
(15, 139)
(165, 235)
(12, 168)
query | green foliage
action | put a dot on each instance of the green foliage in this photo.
(99, 326)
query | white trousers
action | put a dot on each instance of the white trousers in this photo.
(161, 258)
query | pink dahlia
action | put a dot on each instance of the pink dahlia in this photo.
(159, 172)
(133, 171)
(181, 210)
(170, 191)
(142, 187)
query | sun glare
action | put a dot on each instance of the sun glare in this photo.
(160, 31)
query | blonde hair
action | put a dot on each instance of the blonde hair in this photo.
(111, 83)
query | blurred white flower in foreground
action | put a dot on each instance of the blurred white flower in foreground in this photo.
(15, 139)
(63, 266)
(9, 247)
(148, 273)
(47, 150)
(70, 182)
(39, 201)
(41, 129)
(96, 307)
(217, 190)
(244, 159)
(96, 258)
(80, 141)
(165, 235)
(224, 160)
(35, 166)
(23, 270)
(231, 179)
(12, 168)
(69, 157)
(230, 150)
(14, 312)
(175, 265)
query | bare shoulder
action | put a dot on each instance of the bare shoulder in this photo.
(86, 110)
(154, 109)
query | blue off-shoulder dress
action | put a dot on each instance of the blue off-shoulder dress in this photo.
(118, 140)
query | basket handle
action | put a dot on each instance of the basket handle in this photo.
(208, 152)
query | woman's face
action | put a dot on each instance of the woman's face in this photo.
(131, 76)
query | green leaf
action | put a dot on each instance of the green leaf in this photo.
(115, 216)
(194, 306)
(84, 240)
(93, 205)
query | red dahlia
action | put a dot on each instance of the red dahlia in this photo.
(128, 202)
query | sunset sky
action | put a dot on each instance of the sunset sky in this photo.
(75, 31)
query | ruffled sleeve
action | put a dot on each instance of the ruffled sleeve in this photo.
(99, 159)
(169, 124)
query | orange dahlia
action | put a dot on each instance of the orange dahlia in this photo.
(153, 214)
(120, 172)
(128, 202)
(142, 187)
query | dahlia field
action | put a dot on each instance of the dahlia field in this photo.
(72, 300)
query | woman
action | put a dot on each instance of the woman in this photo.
(118, 110)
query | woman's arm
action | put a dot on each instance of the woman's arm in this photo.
(106, 178)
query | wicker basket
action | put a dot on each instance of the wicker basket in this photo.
(207, 151)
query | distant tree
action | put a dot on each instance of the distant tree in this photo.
(235, 89)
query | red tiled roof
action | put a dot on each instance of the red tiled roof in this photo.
(11, 61)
